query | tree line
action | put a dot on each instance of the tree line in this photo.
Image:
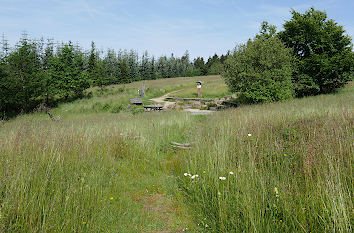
(312, 55)
(41, 71)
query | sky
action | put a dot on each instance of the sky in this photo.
(162, 27)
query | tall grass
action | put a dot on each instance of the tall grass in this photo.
(292, 165)
(94, 170)
(87, 174)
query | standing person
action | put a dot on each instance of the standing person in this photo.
(199, 87)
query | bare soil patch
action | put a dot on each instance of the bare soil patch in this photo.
(163, 209)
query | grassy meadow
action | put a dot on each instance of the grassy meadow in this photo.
(215, 88)
(115, 98)
(279, 167)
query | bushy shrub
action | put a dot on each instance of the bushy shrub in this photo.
(323, 50)
(260, 70)
(117, 108)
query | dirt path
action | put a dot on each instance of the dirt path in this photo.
(166, 104)
(161, 100)
(163, 209)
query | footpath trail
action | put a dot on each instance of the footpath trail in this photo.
(161, 99)
(166, 104)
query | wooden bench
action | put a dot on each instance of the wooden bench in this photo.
(136, 101)
(153, 107)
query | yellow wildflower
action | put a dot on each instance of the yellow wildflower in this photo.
(111, 198)
(83, 223)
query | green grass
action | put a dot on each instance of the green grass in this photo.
(115, 98)
(57, 175)
(293, 174)
(215, 88)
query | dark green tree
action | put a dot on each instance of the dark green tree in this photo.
(101, 79)
(8, 105)
(48, 83)
(133, 64)
(199, 64)
(214, 65)
(145, 66)
(163, 67)
(216, 68)
(92, 64)
(323, 50)
(25, 76)
(124, 68)
(111, 69)
(68, 74)
(80, 79)
(260, 71)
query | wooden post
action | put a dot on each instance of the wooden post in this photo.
(143, 90)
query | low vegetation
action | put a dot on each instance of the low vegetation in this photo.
(214, 88)
(281, 167)
(105, 166)
(272, 167)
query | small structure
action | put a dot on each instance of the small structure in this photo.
(199, 87)
(141, 94)
(153, 107)
(136, 101)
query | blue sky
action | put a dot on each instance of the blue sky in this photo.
(161, 27)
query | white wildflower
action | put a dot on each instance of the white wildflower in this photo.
(231, 173)
(276, 192)
(185, 174)
(222, 178)
(249, 135)
(192, 177)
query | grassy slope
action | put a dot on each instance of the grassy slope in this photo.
(293, 174)
(117, 96)
(210, 89)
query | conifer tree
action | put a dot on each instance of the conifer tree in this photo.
(25, 75)
(92, 63)
(67, 69)
(110, 66)
(48, 82)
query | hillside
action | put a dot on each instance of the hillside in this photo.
(279, 167)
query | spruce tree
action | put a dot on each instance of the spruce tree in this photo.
(25, 75)
(92, 64)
